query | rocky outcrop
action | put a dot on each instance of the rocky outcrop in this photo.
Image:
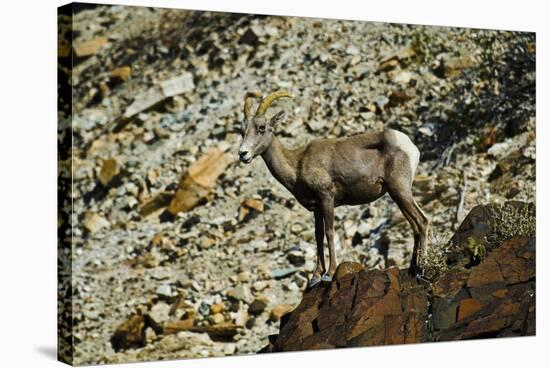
(494, 299)
(360, 307)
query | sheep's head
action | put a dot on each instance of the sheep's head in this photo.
(257, 128)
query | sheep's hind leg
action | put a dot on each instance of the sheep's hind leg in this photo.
(319, 236)
(402, 195)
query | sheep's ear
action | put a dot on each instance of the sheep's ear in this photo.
(278, 118)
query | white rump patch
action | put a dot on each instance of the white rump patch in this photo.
(404, 143)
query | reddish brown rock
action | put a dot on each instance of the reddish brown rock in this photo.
(172, 327)
(398, 98)
(223, 331)
(110, 169)
(157, 203)
(494, 301)
(347, 268)
(89, 47)
(199, 180)
(358, 308)
(452, 66)
(217, 308)
(123, 73)
(249, 208)
(388, 64)
(373, 307)
(468, 307)
(131, 333)
(279, 311)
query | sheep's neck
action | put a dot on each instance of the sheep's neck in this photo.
(281, 163)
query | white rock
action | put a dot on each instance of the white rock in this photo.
(91, 314)
(160, 312)
(315, 125)
(259, 285)
(309, 266)
(229, 349)
(164, 290)
(240, 317)
(258, 244)
(352, 50)
(403, 78)
(426, 130)
(530, 152)
(175, 86)
(240, 293)
(499, 150)
(355, 60)
(350, 227)
(363, 229)
(292, 286)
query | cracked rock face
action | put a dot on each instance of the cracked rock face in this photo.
(494, 299)
(361, 307)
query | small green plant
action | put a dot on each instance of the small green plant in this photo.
(475, 250)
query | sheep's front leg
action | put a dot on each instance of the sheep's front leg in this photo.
(328, 216)
(320, 268)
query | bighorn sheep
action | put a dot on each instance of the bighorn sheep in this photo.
(327, 173)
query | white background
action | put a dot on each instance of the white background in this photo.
(28, 180)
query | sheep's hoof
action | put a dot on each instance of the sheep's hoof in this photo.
(326, 278)
(421, 278)
(313, 281)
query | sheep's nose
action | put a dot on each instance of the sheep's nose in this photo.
(243, 153)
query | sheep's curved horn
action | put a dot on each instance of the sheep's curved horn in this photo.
(248, 102)
(266, 102)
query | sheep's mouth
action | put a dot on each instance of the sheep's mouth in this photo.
(246, 160)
